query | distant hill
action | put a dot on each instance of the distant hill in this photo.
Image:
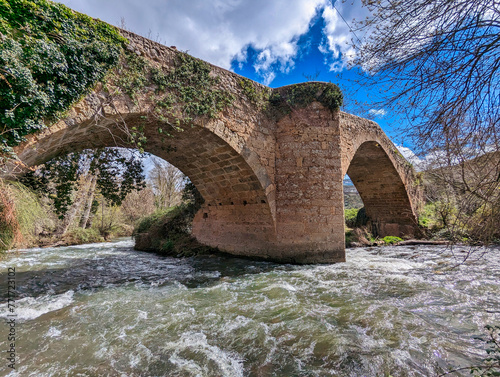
(351, 197)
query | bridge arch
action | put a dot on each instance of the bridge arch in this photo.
(236, 216)
(382, 190)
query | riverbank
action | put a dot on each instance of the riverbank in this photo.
(29, 220)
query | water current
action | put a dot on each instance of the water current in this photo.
(107, 310)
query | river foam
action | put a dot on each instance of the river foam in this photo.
(30, 308)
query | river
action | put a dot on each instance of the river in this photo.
(107, 310)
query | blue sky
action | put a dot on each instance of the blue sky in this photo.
(274, 42)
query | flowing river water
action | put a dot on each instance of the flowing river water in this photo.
(107, 310)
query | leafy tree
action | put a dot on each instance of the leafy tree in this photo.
(116, 175)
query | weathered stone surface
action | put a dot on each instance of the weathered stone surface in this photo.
(272, 185)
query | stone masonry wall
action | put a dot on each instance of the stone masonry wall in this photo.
(310, 206)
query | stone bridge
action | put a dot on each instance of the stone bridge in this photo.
(272, 184)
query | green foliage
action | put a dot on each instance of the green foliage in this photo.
(257, 96)
(169, 233)
(116, 175)
(180, 94)
(191, 86)
(302, 95)
(78, 236)
(50, 57)
(437, 217)
(167, 246)
(426, 217)
(350, 215)
(152, 220)
(131, 74)
(391, 240)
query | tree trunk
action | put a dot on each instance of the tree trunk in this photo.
(73, 211)
(84, 221)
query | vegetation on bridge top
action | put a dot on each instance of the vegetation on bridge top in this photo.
(179, 93)
(302, 95)
(50, 57)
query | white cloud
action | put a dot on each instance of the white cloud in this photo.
(268, 78)
(410, 156)
(377, 112)
(217, 31)
(337, 45)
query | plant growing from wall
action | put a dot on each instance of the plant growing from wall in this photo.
(179, 94)
(258, 95)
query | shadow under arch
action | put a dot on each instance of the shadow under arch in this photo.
(236, 216)
(382, 190)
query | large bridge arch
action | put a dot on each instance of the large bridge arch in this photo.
(237, 215)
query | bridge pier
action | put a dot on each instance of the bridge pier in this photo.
(309, 189)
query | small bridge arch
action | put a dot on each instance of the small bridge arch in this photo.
(383, 178)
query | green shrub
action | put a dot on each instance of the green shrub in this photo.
(391, 240)
(427, 217)
(153, 220)
(350, 215)
(302, 95)
(78, 236)
(169, 233)
(167, 246)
